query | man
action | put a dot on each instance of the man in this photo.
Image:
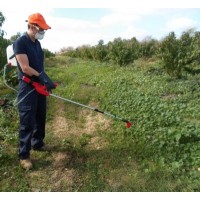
(32, 109)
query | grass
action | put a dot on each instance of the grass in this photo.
(92, 152)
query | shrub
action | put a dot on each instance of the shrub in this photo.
(180, 54)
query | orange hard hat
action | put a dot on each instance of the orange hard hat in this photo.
(38, 19)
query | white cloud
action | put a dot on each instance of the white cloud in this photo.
(72, 32)
(180, 24)
(131, 31)
(118, 18)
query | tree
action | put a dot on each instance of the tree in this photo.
(148, 47)
(14, 37)
(2, 19)
(48, 54)
(100, 51)
(84, 52)
(3, 43)
(168, 52)
(180, 54)
(123, 52)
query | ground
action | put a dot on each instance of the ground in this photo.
(58, 165)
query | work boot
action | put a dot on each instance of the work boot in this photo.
(43, 148)
(26, 164)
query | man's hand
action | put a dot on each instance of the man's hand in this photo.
(45, 80)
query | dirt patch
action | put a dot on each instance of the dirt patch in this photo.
(54, 180)
(60, 126)
(62, 176)
(168, 96)
(3, 102)
(63, 179)
(94, 121)
(60, 160)
(86, 85)
(97, 143)
(88, 123)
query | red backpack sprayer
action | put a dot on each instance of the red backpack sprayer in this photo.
(42, 89)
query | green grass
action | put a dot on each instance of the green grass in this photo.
(93, 152)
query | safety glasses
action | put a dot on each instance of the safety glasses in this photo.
(41, 30)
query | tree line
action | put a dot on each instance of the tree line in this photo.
(177, 54)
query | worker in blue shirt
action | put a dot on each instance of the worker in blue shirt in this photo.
(32, 110)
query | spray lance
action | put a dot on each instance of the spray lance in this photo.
(43, 90)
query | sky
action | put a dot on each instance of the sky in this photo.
(75, 23)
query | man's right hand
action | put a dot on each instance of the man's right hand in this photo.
(45, 80)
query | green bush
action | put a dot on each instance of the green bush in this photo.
(181, 54)
(123, 52)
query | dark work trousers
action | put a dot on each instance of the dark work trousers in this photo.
(32, 113)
